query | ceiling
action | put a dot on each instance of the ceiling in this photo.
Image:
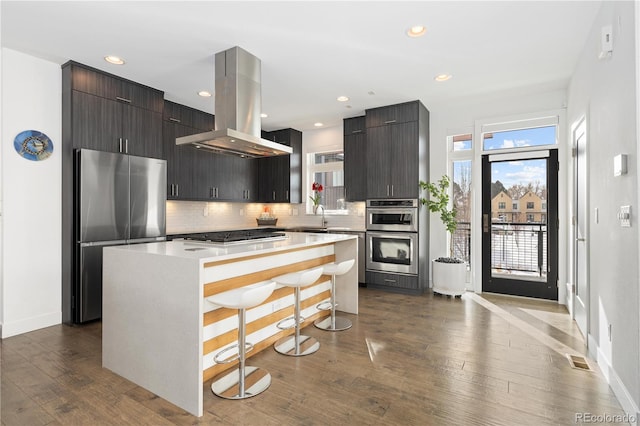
(313, 52)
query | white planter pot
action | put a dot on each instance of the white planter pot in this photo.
(449, 278)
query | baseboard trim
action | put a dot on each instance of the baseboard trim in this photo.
(31, 324)
(619, 389)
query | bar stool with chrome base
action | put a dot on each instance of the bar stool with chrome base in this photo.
(297, 345)
(246, 381)
(333, 323)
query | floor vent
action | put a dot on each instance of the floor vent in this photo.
(578, 362)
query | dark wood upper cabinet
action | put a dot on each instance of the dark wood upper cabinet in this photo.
(186, 116)
(355, 159)
(393, 114)
(198, 174)
(279, 178)
(111, 114)
(397, 152)
(89, 80)
(181, 162)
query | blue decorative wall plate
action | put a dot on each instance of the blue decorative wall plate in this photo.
(33, 145)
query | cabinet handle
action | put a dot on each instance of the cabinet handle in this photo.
(216, 192)
(126, 146)
(175, 120)
(392, 190)
(274, 195)
(123, 99)
(119, 144)
(248, 192)
(286, 194)
(390, 121)
(357, 131)
(387, 190)
(177, 190)
(389, 281)
(210, 192)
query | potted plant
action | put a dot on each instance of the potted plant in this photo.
(449, 273)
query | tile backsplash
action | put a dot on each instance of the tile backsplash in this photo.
(201, 216)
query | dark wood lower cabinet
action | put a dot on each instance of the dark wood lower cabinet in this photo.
(393, 282)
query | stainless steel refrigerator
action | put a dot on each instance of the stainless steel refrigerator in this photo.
(120, 199)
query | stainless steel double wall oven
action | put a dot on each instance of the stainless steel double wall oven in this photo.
(392, 236)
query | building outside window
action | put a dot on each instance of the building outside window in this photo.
(530, 205)
(502, 205)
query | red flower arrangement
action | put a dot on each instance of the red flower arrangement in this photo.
(317, 188)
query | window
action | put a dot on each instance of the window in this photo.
(460, 160)
(326, 168)
(502, 205)
(529, 217)
(544, 206)
(462, 142)
(529, 205)
(520, 133)
(515, 206)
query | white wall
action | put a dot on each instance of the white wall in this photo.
(604, 90)
(459, 117)
(31, 196)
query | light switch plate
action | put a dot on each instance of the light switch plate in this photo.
(620, 165)
(625, 216)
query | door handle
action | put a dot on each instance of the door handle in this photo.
(580, 239)
(485, 222)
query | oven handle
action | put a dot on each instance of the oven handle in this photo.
(393, 210)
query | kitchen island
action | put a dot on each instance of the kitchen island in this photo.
(159, 331)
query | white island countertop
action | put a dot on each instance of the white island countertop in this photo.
(216, 251)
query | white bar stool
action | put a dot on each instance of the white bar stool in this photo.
(246, 381)
(333, 323)
(297, 345)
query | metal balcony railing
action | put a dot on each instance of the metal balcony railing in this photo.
(462, 242)
(516, 248)
(519, 248)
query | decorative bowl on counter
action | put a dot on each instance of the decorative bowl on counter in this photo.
(264, 221)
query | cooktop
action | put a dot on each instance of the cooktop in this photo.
(236, 237)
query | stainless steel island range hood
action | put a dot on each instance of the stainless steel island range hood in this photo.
(237, 110)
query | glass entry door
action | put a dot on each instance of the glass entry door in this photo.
(520, 224)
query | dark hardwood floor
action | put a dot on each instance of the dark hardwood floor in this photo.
(408, 360)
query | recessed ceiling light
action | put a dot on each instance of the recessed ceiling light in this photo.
(343, 98)
(318, 124)
(371, 92)
(442, 77)
(416, 31)
(263, 115)
(115, 60)
(204, 94)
